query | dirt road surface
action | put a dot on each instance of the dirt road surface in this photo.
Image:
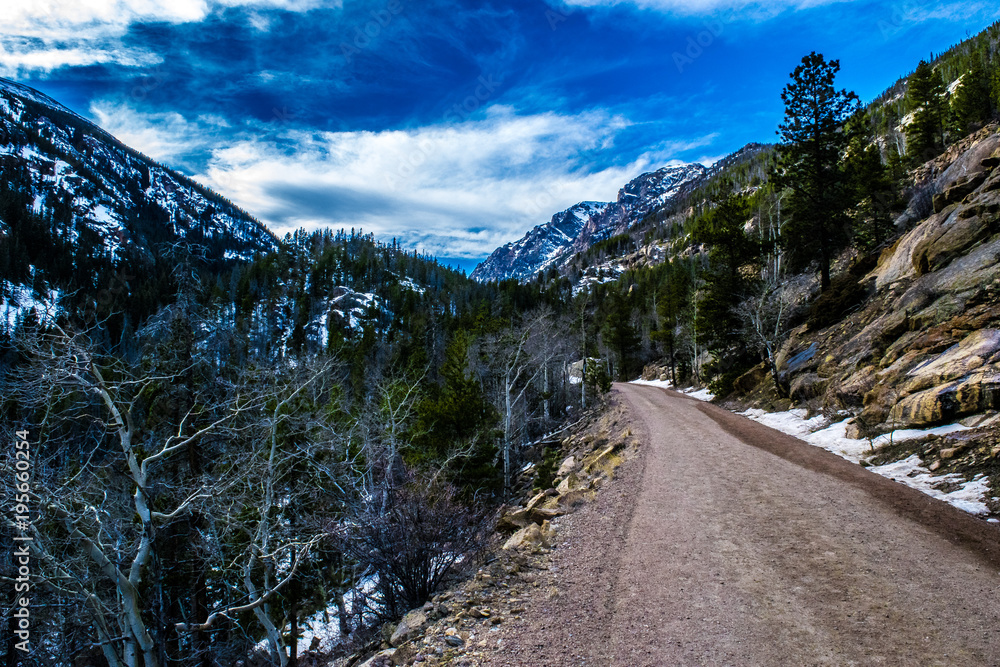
(727, 543)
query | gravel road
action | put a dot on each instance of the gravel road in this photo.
(725, 542)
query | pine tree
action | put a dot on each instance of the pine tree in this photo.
(925, 133)
(621, 336)
(871, 186)
(812, 142)
(874, 194)
(971, 104)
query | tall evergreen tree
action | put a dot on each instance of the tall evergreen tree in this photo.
(925, 133)
(621, 336)
(812, 141)
(871, 186)
(972, 102)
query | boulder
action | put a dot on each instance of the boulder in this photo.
(975, 351)
(966, 274)
(539, 498)
(567, 466)
(978, 158)
(899, 266)
(540, 515)
(960, 190)
(532, 537)
(936, 250)
(808, 386)
(892, 326)
(852, 389)
(750, 380)
(514, 521)
(571, 482)
(943, 309)
(939, 238)
(925, 408)
(799, 360)
(978, 392)
(408, 627)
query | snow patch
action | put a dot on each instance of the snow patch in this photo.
(22, 300)
(969, 496)
(665, 384)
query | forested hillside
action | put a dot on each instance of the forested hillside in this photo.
(710, 284)
(234, 437)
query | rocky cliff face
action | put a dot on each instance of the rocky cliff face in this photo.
(580, 227)
(924, 347)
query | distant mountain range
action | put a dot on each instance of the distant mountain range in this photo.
(580, 227)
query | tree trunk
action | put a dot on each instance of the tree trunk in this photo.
(507, 436)
(545, 389)
(293, 627)
(673, 363)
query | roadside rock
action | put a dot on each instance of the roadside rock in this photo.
(976, 350)
(514, 521)
(568, 466)
(979, 392)
(532, 537)
(569, 484)
(408, 627)
(808, 386)
(960, 190)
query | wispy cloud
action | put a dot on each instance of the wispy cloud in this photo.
(44, 35)
(458, 190)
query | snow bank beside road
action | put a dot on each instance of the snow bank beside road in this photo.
(969, 495)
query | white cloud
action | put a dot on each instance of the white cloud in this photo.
(42, 35)
(167, 136)
(33, 17)
(456, 190)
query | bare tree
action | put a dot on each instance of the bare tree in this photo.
(101, 511)
(279, 499)
(765, 312)
(516, 358)
(95, 538)
(764, 316)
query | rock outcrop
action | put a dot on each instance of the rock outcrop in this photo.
(925, 347)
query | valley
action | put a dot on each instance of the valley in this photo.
(328, 447)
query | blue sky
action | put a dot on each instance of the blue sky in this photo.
(456, 125)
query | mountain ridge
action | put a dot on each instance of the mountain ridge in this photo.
(550, 245)
(110, 187)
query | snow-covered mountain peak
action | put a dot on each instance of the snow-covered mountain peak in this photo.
(587, 223)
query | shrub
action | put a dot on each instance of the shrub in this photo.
(407, 540)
